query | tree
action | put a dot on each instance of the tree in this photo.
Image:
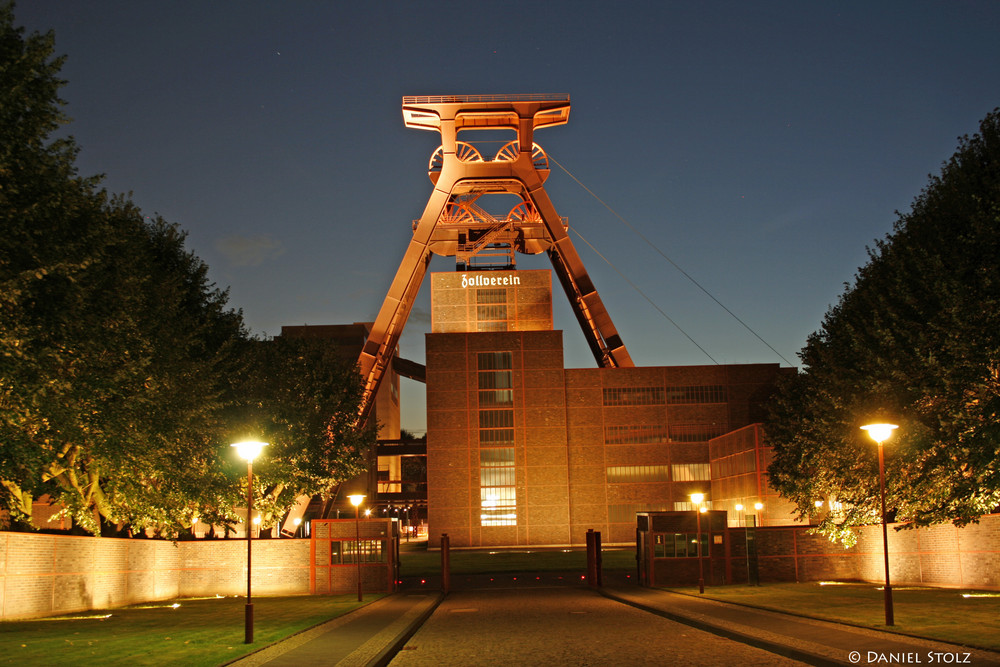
(124, 375)
(302, 398)
(915, 340)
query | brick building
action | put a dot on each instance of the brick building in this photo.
(522, 451)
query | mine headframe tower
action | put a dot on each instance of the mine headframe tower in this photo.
(454, 223)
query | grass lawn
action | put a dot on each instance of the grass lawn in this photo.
(422, 563)
(201, 631)
(935, 613)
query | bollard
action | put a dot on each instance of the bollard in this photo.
(445, 564)
(591, 559)
(598, 559)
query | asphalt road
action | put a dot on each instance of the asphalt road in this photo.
(564, 626)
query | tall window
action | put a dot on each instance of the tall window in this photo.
(498, 501)
(491, 309)
(497, 496)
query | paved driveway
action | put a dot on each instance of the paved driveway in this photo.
(564, 626)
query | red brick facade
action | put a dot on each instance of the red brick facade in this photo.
(587, 447)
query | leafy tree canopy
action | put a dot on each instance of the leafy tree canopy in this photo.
(914, 341)
(124, 376)
(299, 396)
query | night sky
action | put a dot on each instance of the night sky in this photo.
(760, 146)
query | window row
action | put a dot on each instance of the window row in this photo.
(688, 506)
(692, 472)
(695, 432)
(636, 434)
(351, 551)
(679, 545)
(680, 472)
(738, 464)
(637, 474)
(697, 394)
(650, 434)
(617, 396)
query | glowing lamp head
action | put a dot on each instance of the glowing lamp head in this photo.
(697, 498)
(248, 450)
(818, 504)
(739, 507)
(758, 506)
(356, 498)
(880, 432)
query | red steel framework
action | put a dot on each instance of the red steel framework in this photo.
(453, 224)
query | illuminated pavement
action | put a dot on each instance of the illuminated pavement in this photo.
(529, 621)
(563, 626)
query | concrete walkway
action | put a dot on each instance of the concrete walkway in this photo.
(537, 624)
(812, 641)
(366, 636)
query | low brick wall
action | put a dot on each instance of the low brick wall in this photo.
(43, 574)
(937, 556)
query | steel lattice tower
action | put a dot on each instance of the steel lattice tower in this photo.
(454, 225)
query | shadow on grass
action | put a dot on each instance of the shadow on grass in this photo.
(952, 615)
(199, 631)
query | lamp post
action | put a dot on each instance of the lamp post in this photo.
(746, 536)
(697, 499)
(356, 500)
(249, 450)
(880, 433)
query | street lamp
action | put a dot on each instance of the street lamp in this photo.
(697, 499)
(356, 500)
(249, 450)
(880, 433)
(746, 536)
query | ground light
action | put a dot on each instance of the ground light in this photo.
(880, 433)
(249, 450)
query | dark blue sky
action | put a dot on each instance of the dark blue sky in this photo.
(760, 145)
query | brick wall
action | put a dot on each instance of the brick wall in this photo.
(937, 556)
(43, 574)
